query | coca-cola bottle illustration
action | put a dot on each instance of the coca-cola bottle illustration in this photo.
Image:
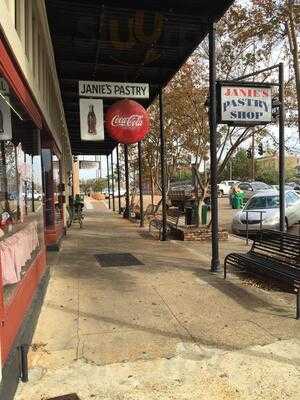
(1, 122)
(92, 121)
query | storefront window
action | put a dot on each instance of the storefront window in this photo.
(21, 197)
(48, 187)
(57, 190)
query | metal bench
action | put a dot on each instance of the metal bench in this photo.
(173, 218)
(273, 254)
(150, 211)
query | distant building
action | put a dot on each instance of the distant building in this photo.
(272, 161)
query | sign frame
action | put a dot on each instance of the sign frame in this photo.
(118, 90)
(98, 111)
(89, 164)
(240, 84)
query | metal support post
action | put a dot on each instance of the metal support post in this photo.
(215, 261)
(281, 149)
(118, 172)
(113, 182)
(163, 168)
(108, 181)
(253, 157)
(141, 185)
(126, 212)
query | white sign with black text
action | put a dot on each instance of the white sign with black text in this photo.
(114, 89)
(5, 119)
(91, 119)
(86, 164)
(246, 105)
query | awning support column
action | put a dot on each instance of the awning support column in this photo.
(215, 260)
(163, 168)
(118, 172)
(126, 212)
(281, 149)
(113, 182)
(108, 181)
(141, 185)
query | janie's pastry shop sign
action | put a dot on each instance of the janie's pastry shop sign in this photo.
(114, 89)
(244, 104)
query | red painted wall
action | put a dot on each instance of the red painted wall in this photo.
(13, 313)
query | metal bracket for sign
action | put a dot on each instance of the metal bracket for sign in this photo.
(233, 83)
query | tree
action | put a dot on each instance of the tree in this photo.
(278, 28)
(240, 167)
(95, 185)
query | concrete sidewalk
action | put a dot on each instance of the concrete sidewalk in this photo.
(167, 329)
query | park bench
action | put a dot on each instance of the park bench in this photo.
(150, 211)
(173, 219)
(273, 254)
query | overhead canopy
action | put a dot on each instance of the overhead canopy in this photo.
(118, 41)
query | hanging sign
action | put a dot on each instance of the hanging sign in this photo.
(127, 121)
(91, 119)
(4, 88)
(86, 164)
(5, 119)
(244, 104)
(114, 89)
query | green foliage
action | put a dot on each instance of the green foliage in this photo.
(95, 185)
(182, 176)
(270, 174)
(241, 167)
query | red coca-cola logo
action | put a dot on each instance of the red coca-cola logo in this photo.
(127, 122)
(133, 121)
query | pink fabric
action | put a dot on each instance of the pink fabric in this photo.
(7, 258)
(15, 251)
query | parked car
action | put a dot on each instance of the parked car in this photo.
(264, 206)
(295, 186)
(225, 186)
(250, 189)
(13, 195)
(36, 195)
(115, 192)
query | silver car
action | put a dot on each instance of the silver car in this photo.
(263, 211)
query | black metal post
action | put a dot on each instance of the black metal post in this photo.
(108, 181)
(126, 212)
(215, 261)
(281, 149)
(113, 182)
(141, 185)
(118, 172)
(5, 179)
(24, 362)
(163, 168)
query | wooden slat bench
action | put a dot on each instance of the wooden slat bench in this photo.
(173, 219)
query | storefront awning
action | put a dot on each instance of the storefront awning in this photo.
(117, 41)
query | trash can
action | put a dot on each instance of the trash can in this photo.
(190, 215)
(204, 212)
(238, 200)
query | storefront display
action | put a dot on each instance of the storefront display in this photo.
(21, 217)
(22, 246)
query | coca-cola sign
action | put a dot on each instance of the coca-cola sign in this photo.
(127, 122)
